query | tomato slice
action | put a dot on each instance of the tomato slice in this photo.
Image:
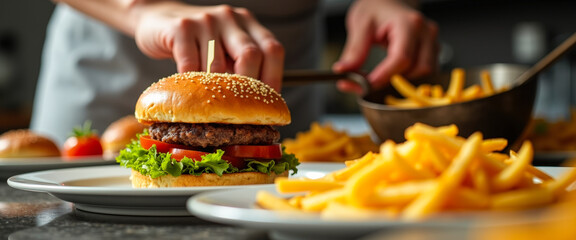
(178, 154)
(272, 151)
(146, 141)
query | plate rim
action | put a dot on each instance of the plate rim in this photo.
(31, 182)
(117, 199)
(208, 206)
(26, 161)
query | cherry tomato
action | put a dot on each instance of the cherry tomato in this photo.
(178, 154)
(273, 151)
(82, 146)
(83, 142)
(146, 141)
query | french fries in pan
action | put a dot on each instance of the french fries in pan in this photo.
(425, 95)
(434, 171)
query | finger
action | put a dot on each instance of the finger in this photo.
(356, 48)
(426, 61)
(207, 29)
(272, 58)
(151, 45)
(350, 87)
(238, 44)
(185, 48)
(401, 48)
(247, 57)
(273, 64)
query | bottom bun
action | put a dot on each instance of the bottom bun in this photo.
(205, 179)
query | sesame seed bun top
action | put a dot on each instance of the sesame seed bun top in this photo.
(199, 97)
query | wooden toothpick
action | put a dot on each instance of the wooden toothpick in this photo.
(210, 55)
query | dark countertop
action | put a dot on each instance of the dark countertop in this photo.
(35, 215)
(32, 215)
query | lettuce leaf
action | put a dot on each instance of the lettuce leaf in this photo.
(155, 164)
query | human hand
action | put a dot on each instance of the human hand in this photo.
(410, 40)
(181, 32)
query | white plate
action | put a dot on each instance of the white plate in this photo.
(12, 166)
(242, 210)
(107, 189)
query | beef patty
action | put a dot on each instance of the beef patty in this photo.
(213, 135)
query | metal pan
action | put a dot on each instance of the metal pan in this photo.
(505, 114)
(502, 115)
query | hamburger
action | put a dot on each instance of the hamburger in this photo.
(119, 134)
(24, 143)
(208, 129)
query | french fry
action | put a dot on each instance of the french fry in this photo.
(272, 202)
(400, 102)
(337, 211)
(539, 174)
(470, 199)
(437, 91)
(449, 130)
(564, 181)
(512, 174)
(432, 172)
(359, 188)
(402, 193)
(471, 93)
(286, 185)
(494, 144)
(352, 169)
(454, 91)
(487, 85)
(439, 162)
(319, 201)
(522, 199)
(424, 90)
(480, 178)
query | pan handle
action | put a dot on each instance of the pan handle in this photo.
(299, 77)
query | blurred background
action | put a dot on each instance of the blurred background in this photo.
(472, 33)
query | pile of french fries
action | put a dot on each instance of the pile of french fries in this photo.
(434, 95)
(323, 143)
(434, 171)
(553, 136)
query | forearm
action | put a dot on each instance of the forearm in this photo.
(119, 14)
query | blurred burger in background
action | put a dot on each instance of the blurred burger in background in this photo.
(119, 134)
(24, 143)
